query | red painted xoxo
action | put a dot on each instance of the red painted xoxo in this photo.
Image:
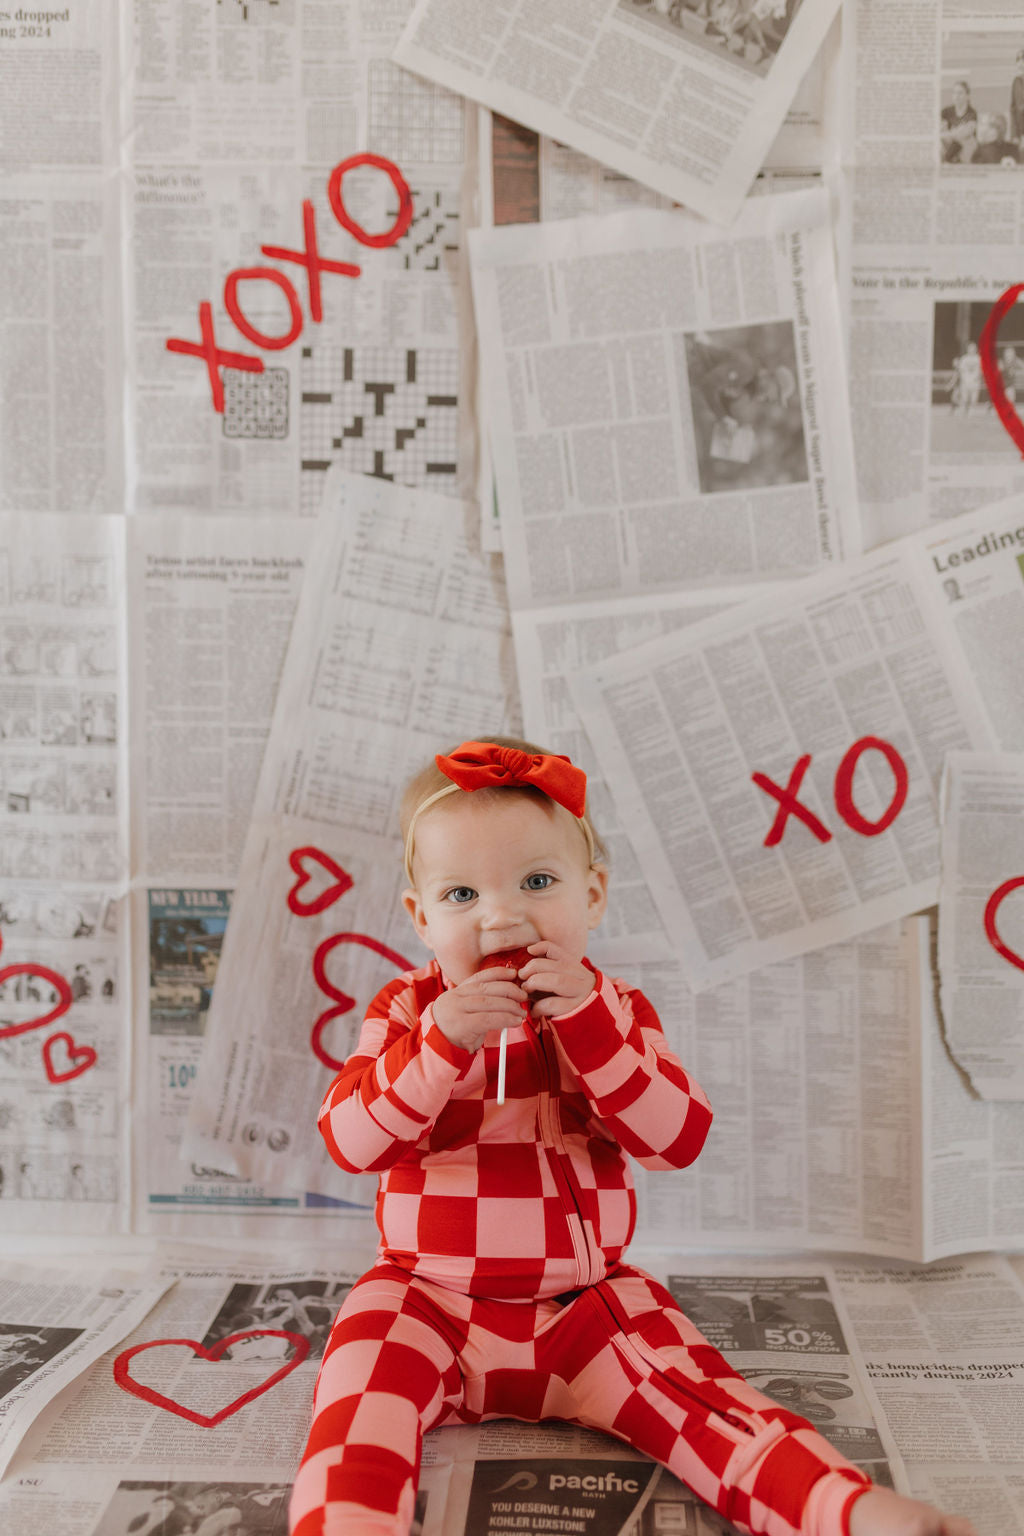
(790, 805)
(208, 1420)
(81, 1057)
(344, 1002)
(300, 859)
(310, 258)
(1005, 409)
(992, 906)
(43, 972)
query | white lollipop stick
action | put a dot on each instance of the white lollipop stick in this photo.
(502, 1054)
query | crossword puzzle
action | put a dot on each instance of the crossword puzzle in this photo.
(385, 411)
(435, 231)
(256, 404)
(412, 121)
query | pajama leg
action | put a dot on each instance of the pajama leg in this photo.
(633, 1364)
(388, 1375)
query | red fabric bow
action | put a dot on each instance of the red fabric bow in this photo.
(477, 764)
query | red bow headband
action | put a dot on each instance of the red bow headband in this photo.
(481, 764)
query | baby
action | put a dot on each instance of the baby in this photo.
(500, 1288)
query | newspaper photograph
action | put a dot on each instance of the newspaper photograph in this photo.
(664, 411)
(55, 1325)
(791, 762)
(981, 920)
(682, 97)
(372, 687)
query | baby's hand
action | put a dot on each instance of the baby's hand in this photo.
(487, 1000)
(556, 981)
(881, 1512)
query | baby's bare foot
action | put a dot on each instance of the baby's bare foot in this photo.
(880, 1512)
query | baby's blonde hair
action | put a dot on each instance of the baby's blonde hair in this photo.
(430, 785)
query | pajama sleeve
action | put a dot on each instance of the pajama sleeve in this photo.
(394, 1085)
(635, 1085)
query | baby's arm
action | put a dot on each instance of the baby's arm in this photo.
(634, 1083)
(395, 1084)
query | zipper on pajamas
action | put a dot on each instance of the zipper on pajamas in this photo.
(560, 1161)
(674, 1382)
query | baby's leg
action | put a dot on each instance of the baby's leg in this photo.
(388, 1375)
(641, 1370)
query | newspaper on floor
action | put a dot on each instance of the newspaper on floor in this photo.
(663, 401)
(61, 345)
(944, 1350)
(933, 176)
(400, 648)
(204, 1408)
(779, 764)
(55, 1325)
(981, 920)
(63, 873)
(682, 96)
(243, 126)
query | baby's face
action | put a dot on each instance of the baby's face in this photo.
(493, 874)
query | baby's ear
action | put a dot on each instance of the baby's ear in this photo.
(412, 904)
(597, 893)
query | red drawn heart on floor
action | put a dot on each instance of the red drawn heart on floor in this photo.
(208, 1420)
(344, 1002)
(992, 906)
(81, 1057)
(309, 865)
(43, 972)
(1004, 406)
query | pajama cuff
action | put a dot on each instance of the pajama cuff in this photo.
(827, 1512)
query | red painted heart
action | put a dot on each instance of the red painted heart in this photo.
(342, 999)
(992, 906)
(300, 860)
(81, 1057)
(208, 1420)
(1004, 406)
(43, 972)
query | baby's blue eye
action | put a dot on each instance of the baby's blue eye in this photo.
(460, 894)
(538, 882)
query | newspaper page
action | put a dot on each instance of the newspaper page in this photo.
(312, 195)
(202, 1409)
(981, 925)
(665, 410)
(780, 764)
(813, 1068)
(400, 648)
(55, 1325)
(210, 613)
(60, 324)
(64, 872)
(681, 97)
(944, 1349)
(973, 1149)
(552, 643)
(930, 214)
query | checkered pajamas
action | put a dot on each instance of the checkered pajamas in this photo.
(499, 1290)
